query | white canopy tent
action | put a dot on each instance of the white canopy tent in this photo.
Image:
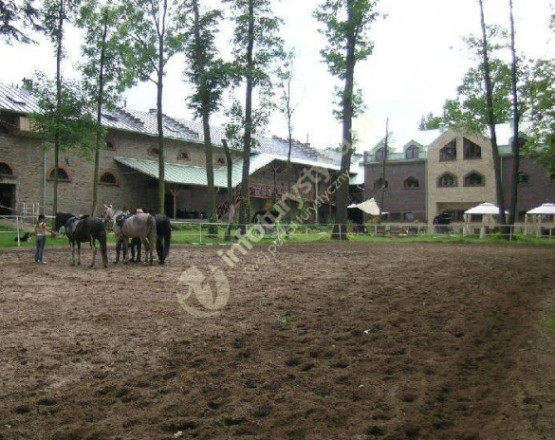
(488, 211)
(483, 209)
(543, 215)
(369, 207)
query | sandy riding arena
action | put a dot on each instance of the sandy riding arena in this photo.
(317, 341)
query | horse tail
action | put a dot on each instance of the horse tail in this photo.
(167, 238)
(163, 237)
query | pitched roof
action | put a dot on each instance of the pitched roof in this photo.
(17, 100)
(20, 100)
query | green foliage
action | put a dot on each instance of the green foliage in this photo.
(430, 122)
(71, 122)
(17, 15)
(104, 69)
(540, 98)
(206, 71)
(343, 21)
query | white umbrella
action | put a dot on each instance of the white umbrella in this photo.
(369, 207)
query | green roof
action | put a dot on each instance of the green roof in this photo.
(194, 175)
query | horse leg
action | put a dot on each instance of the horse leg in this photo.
(73, 253)
(78, 253)
(124, 251)
(93, 244)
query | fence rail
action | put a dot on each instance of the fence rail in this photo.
(199, 231)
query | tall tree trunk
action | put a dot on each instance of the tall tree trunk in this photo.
(99, 104)
(516, 121)
(342, 194)
(205, 103)
(384, 160)
(247, 138)
(160, 124)
(491, 119)
(230, 198)
(59, 56)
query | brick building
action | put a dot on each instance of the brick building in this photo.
(129, 165)
(432, 172)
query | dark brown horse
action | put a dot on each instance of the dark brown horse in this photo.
(81, 230)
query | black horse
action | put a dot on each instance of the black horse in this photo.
(80, 230)
(163, 237)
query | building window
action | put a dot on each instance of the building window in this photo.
(220, 161)
(5, 169)
(552, 178)
(447, 180)
(412, 152)
(108, 178)
(380, 183)
(110, 146)
(471, 150)
(449, 151)
(411, 183)
(153, 151)
(523, 178)
(474, 179)
(63, 175)
(380, 154)
(183, 155)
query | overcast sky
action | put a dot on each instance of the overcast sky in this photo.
(418, 61)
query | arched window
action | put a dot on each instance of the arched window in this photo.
(471, 150)
(153, 151)
(183, 155)
(380, 183)
(63, 175)
(220, 161)
(110, 146)
(412, 152)
(380, 154)
(523, 178)
(474, 179)
(447, 180)
(108, 178)
(5, 169)
(411, 182)
(449, 151)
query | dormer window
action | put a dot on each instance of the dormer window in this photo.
(412, 152)
(110, 146)
(220, 161)
(153, 151)
(380, 154)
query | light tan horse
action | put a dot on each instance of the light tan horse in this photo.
(127, 226)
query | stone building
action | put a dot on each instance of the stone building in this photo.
(129, 165)
(434, 172)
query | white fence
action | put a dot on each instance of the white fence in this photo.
(204, 232)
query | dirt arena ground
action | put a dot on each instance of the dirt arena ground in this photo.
(324, 341)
